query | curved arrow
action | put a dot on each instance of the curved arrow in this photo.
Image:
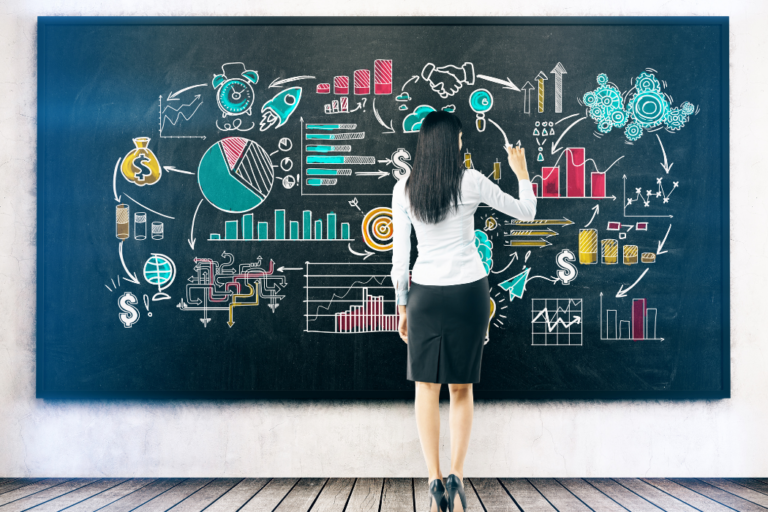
(506, 140)
(667, 167)
(173, 96)
(406, 82)
(191, 240)
(378, 118)
(131, 276)
(623, 293)
(279, 83)
(554, 144)
(514, 257)
(114, 181)
(597, 210)
(365, 254)
(506, 83)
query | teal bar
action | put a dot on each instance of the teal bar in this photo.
(248, 227)
(323, 149)
(294, 230)
(325, 159)
(230, 230)
(323, 126)
(315, 182)
(318, 230)
(331, 226)
(323, 172)
(321, 136)
(279, 224)
(345, 230)
(263, 231)
(307, 225)
(215, 236)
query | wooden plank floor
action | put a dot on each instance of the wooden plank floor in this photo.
(380, 494)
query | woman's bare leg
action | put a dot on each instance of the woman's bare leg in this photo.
(428, 422)
(461, 413)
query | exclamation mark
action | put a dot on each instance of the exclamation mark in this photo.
(146, 304)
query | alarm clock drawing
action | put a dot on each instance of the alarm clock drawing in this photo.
(234, 93)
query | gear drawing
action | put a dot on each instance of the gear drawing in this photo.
(648, 108)
(633, 131)
(647, 82)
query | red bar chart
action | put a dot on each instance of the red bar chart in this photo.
(641, 325)
(574, 180)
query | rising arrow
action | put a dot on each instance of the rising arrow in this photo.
(406, 82)
(365, 254)
(540, 78)
(597, 210)
(527, 93)
(559, 71)
(279, 83)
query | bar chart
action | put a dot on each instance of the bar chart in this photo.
(573, 186)
(350, 298)
(304, 230)
(641, 325)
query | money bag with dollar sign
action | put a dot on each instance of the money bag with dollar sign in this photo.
(140, 165)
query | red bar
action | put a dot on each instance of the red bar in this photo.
(362, 81)
(323, 89)
(535, 189)
(598, 184)
(574, 169)
(341, 85)
(344, 104)
(638, 319)
(550, 182)
(382, 76)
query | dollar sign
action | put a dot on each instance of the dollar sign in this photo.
(130, 314)
(402, 169)
(567, 272)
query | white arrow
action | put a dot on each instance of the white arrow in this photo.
(406, 82)
(623, 293)
(378, 118)
(554, 280)
(172, 97)
(514, 257)
(131, 277)
(114, 181)
(597, 210)
(527, 88)
(559, 71)
(661, 244)
(380, 174)
(506, 141)
(191, 240)
(385, 161)
(365, 254)
(506, 83)
(173, 169)
(667, 167)
(280, 269)
(554, 144)
(279, 83)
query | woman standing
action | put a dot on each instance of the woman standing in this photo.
(444, 315)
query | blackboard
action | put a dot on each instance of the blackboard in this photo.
(214, 200)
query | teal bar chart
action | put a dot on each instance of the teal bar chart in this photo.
(306, 229)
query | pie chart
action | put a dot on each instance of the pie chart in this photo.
(235, 175)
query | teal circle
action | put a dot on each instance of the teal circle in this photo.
(235, 96)
(158, 270)
(481, 101)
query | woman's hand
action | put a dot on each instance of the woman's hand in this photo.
(516, 159)
(402, 329)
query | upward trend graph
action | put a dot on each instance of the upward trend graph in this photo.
(349, 298)
(556, 322)
(169, 113)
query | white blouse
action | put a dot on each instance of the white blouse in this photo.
(446, 250)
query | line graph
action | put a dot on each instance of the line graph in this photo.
(556, 322)
(346, 298)
(172, 114)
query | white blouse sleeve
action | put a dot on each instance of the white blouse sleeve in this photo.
(401, 248)
(492, 195)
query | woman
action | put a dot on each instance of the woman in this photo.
(444, 316)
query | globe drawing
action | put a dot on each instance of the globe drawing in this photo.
(159, 270)
(235, 175)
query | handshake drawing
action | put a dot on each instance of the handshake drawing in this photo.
(447, 80)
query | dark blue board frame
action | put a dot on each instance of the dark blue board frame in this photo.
(47, 359)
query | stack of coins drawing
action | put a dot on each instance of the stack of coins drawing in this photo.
(588, 246)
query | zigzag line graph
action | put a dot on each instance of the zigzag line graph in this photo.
(553, 324)
(183, 111)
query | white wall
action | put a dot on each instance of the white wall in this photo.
(346, 438)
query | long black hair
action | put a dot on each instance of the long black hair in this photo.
(434, 186)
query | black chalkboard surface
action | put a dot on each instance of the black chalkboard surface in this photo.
(214, 202)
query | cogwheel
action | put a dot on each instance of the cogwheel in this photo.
(589, 98)
(649, 108)
(597, 113)
(602, 79)
(647, 82)
(605, 125)
(676, 119)
(619, 118)
(609, 97)
(687, 108)
(633, 131)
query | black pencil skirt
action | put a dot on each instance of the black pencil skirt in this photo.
(446, 331)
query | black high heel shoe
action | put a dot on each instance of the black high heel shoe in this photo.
(437, 493)
(452, 486)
